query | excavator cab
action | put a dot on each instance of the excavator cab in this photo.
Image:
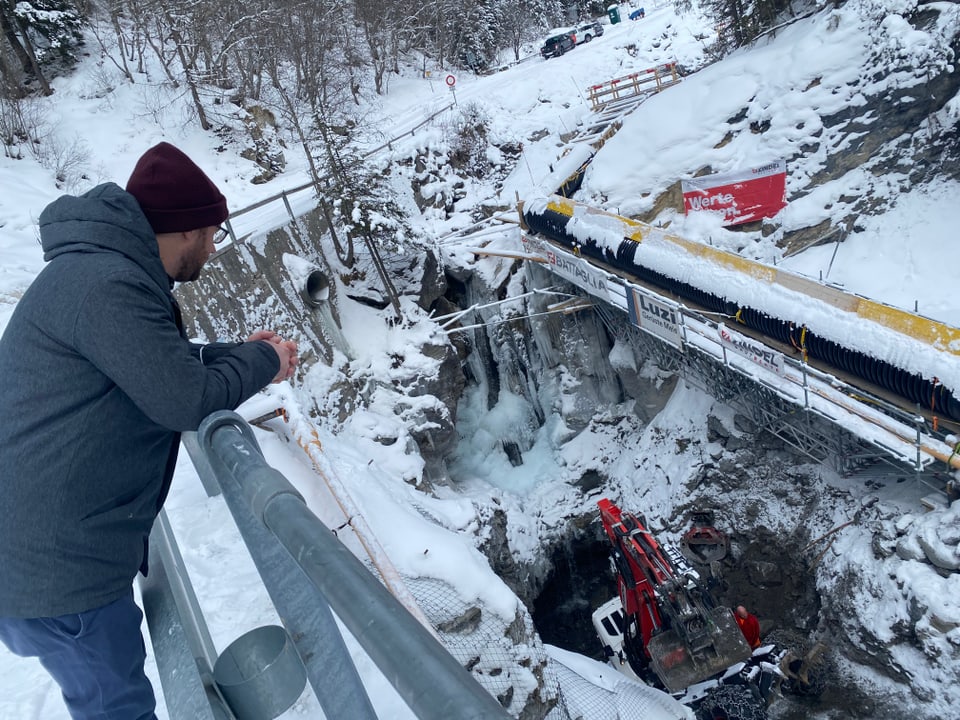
(683, 661)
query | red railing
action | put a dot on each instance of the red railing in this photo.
(642, 82)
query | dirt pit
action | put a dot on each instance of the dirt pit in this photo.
(763, 572)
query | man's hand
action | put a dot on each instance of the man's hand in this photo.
(267, 335)
(286, 350)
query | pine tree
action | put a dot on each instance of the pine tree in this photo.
(44, 37)
(739, 22)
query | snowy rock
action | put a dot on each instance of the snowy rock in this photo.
(939, 553)
(646, 386)
(765, 574)
(716, 430)
(943, 625)
(463, 624)
(883, 546)
(903, 522)
(937, 535)
(727, 465)
(909, 549)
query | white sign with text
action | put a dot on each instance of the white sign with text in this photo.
(751, 349)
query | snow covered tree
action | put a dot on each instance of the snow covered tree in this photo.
(43, 37)
(477, 40)
(740, 21)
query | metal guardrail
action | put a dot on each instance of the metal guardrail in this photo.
(309, 575)
(179, 635)
(284, 194)
(893, 432)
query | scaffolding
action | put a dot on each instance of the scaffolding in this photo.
(817, 415)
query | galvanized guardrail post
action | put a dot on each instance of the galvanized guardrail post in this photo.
(179, 633)
(430, 680)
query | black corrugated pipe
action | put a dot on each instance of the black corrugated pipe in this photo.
(927, 393)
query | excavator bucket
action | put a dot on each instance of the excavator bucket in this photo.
(717, 647)
(704, 548)
(798, 668)
(703, 543)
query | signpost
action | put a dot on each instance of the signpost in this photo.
(451, 83)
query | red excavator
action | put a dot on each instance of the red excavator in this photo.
(665, 629)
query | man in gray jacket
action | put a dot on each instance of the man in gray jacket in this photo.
(98, 382)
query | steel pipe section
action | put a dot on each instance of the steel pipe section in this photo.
(307, 618)
(316, 289)
(930, 394)
(430, 680)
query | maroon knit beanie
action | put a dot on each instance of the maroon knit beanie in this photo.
(174, 193)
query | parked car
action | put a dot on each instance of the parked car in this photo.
(587, 32)
(637, 14)
(557, 45)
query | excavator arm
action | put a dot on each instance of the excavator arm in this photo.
(639, 565)
(671, 624)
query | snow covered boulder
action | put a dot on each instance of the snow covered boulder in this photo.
(938, 535)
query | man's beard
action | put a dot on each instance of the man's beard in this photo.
(191, 265)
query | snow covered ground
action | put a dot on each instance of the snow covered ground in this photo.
(897, 257)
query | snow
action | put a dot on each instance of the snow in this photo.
(793, 79)
(923, 225)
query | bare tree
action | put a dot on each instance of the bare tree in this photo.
(120, 50)
(17, 32)
(187, 53)
(379, 33)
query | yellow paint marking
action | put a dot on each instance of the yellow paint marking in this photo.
(936, 334)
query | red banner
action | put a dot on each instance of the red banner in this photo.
(741, 196)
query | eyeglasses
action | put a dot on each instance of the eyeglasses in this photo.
(220, 235)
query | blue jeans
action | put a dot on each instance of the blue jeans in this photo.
(96, 657)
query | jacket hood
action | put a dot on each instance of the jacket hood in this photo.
(104, 219)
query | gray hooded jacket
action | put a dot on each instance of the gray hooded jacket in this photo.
(96, 383)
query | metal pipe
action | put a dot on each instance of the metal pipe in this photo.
(316, 288)
(305, 613)
(432, 683)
